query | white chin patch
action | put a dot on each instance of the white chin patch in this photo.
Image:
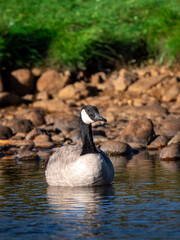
(86, 119)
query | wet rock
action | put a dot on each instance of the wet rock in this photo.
(36, 117)
(172, 93)
(7, 99)
(43, 141)
(74, 91)
(52, 81)
(5, 132)
(23, 125)
(44, 157)
(159, 142)
(116, 148)
(137, 146)
(52, 105)
(21, 82)
(124, 80)
(170, 152)
(141, 130)
(175, 139)
(27, 155)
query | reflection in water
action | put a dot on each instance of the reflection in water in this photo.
(142, 203)
(172, 166)
(85, 201)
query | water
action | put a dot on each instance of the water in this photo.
(142, 203)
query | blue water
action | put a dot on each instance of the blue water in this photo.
(142, 203)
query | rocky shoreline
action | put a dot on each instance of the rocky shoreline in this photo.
(39, 112)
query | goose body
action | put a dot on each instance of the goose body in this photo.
(83, 165)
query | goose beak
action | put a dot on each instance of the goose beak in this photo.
(98, 117)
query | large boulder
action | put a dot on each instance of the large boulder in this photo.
(52, 81)
(141, 131)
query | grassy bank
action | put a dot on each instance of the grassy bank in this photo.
(82, 33)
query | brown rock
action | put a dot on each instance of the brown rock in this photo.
(5, 132)
(171, 152)
(42, 96)
(175, 139)
(116, 148)
(51, 105)
(159, 142)
(124, 80)
(98, 78)
(51, 82)
(141, 130)
(36, 71)
(144, 111)
(21, 82)
(172, 93)
(27, 155)
(74, 91)
(143, 84)
(66, 123)
(36, 117)
(33, 133)
(23, 125)
(170, 126)
(178, 98)
(43, 141)
(161, 88)
(15, 142)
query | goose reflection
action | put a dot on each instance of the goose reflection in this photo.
(83, 201)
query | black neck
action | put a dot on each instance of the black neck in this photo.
(87, 138)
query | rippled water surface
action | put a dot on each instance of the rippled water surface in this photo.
(142, 203)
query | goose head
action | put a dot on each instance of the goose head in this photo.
(90, 114)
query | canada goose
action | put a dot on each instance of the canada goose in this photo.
(81, 165)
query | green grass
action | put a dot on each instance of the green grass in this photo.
(85, 33)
